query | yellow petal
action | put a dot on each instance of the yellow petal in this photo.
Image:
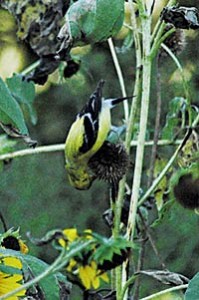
(71, 235)
(12, 262)
(104, 277)
(96, 282)
(87, 274)
(9, 283)
(71, 265)
(23, 247)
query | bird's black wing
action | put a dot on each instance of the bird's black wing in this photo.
(91, 112)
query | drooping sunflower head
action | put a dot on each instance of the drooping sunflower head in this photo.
(11, 240)
(110, 163)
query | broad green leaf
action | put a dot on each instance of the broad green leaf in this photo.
(192, 292)
(94, 21)
(48, 284)
(173, 119)
(10, 111)
(23, 92)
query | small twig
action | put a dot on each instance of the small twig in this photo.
(60, 148)
(157, 125)
(37, 150)
(184, 81)
(120, 76)
(30, 68)
(151, 240)
(140, 266)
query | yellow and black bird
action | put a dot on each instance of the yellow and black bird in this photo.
(86, 136)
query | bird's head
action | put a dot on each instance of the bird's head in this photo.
(80, 178)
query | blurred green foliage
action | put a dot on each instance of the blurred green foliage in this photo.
(34, 191)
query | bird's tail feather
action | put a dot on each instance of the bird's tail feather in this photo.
(115, 101)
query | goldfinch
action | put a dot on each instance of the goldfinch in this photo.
(86, 136)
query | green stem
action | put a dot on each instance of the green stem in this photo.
(169, 164)
(30, 283)
(158, 31)
(135, 100)
(184, 81)
(57, 265)
(120, 76)
(122, 277)
(161, 38)
(30, 68)
(60, 148)
(157, 26)
(146, 80)
(175, 288)
(127, 284)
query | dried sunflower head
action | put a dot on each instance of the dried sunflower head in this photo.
(110, 163)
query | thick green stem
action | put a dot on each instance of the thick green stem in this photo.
(146, 80)
(121, 276)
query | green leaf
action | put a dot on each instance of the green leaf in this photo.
(192, 292)
(107, 249)
(6, 144)
(23, 92)
(9, 270)
(49, 284)
(93, 21)
(165, 210)
(173, 119)
(10, 111)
